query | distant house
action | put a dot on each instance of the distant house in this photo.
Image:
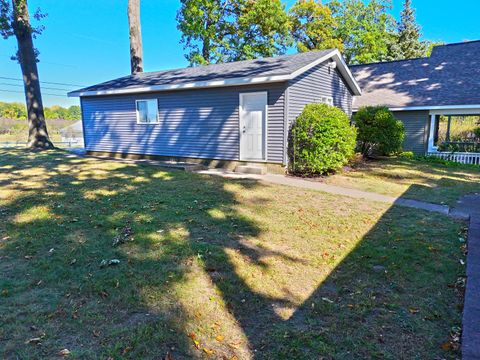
(419, 91)
(224, 113)
(73, 134)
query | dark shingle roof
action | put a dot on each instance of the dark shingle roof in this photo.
(281, 65)
(450, 76)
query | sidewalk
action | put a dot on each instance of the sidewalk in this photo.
(471, 308)
(331, 189)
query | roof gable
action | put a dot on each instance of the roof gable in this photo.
(281, 68)
(449, 77)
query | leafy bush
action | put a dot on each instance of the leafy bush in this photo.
(321, 140)
(407, 155)
(476, 131)
(378, 131)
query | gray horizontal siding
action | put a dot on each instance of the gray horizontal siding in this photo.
(416, 130)
(200, 123)
(320, 80)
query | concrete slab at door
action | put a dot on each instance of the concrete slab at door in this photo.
(253, 126)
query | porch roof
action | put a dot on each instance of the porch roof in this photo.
(450, 77)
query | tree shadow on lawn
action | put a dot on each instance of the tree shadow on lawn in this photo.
(195, 279)
(430, 182)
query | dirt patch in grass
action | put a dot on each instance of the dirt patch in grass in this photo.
(215, 268)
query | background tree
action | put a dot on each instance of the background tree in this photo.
(136, 49)
(203, 26)
(365, 29)
(261, 29)
(15, 20)
(313, 26)
(409, 34)
(215, 31)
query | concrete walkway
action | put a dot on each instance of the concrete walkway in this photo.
(332, 189)
(471, 309)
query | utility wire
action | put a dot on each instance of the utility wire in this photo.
(43, 82)
(21, 92)
(43, 87)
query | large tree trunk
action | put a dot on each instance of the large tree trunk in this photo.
(136, 51)
(37, 127)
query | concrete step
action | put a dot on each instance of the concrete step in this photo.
(249, 169)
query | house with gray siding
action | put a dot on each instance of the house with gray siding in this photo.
(216, 114)
(422, 91)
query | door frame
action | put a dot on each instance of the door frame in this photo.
(265, 128)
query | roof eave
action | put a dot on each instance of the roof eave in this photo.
(425, 107)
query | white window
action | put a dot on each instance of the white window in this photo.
(147, 111)
(325, 100)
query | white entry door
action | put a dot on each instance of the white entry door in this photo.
(253, 125)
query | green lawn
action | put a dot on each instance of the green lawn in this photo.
(435, 183)
(215, 268)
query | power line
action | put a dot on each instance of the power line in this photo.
(43, 82)
(21, 92)
(43, 87)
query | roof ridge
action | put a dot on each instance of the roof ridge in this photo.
(459, 43)
(324, 51)
(389, 61)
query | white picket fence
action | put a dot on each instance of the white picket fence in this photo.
(460, 157)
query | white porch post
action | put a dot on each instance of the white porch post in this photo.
(431, 136)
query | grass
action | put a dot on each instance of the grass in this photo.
(215, 268)
(414, 179)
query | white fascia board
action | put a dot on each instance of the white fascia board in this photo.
(232, 82)
(431, 108)
(192, 85)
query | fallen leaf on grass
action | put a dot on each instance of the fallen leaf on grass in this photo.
(104, 263)
(64, 352)
(208, 351)
(447, 346)
(34, 341)
(220, 338)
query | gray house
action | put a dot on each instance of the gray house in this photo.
(419, 91)
(217, 114)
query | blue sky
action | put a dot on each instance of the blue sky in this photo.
(86, 42)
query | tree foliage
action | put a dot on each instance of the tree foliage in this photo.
(17, 111)
(204, 24)
(378, 131)
(321, 140)
(314, 27)
(215, 31)
(409, 34)
(365, 29)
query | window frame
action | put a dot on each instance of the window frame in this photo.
(157, 120)
(326, 100)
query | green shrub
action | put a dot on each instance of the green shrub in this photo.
(407, 155)
(476, 131)
(379, 133)
(321, 140)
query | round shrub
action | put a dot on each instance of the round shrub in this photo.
(321, 140)
(379, 133)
